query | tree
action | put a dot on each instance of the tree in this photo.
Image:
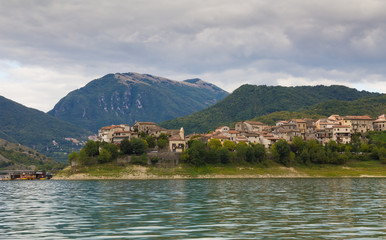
(72, 157)
(297, 145)
(260, 152)
(163, 136)
(151, 141)
(304, 157)
(139, 146)
(162, 143)
(83, 158)
(365, 147)
(142, 134)
(162, 140)
(125, 146)
(196, 153)
(112, 149)
(332, 146)
(212, 156)
(230, 145)
(250, 154)
(316, 152)
(241, 151)
(91, 148)
(104, 156)
(281, 152)
(224, 155)
(214, 144)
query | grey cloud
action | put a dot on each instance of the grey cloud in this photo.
(202, 38)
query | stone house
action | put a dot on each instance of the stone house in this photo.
(380, 123)
(249, 126)
(223, 129)
(359, 124)
(341, 134)
(252, 137)
(118, 136)
(232, 134)
(150, 128)
(287, 134)
(105, 134)
(177, 143)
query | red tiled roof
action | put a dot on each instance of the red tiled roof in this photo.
(145, 123)
(111, 127)
(365, 117)
(176, 139)
(300, 121)
(341, 126)
(380, 120)
(254, 123)
(221, 137)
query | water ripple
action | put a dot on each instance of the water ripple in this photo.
(194, 209)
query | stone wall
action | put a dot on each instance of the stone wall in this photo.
(165, 159)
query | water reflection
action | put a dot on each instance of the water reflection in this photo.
(184, 209)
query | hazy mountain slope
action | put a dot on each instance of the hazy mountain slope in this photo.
(126, 98)
(249, 101)
(36, 129)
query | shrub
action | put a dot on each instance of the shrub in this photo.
(139, 160)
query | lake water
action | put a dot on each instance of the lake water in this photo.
(194, 209)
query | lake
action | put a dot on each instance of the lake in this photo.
(194, 209)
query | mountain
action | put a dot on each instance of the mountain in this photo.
(250, 101)
(38, 130)
(129, 97)
(14, 156)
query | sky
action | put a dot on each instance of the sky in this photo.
(51, 47)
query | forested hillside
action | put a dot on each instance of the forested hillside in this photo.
(14, 156)
(37, 129)
(249, 101)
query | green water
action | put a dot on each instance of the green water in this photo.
(194, 209)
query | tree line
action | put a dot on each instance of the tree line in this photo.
(370, 146)
(298, 152)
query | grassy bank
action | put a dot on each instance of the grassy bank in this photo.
(269, 170)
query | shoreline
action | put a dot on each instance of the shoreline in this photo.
(136, 172)
(92, 178)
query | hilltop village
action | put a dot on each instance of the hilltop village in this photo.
(337, 128)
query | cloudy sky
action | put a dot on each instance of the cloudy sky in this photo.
(49, 48)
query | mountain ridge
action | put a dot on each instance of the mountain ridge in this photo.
(129, 97)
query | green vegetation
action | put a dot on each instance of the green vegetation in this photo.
(15, 156)
(299, 153)
(134, 97)
(248, 102)
(38, 130)
(373, 106)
